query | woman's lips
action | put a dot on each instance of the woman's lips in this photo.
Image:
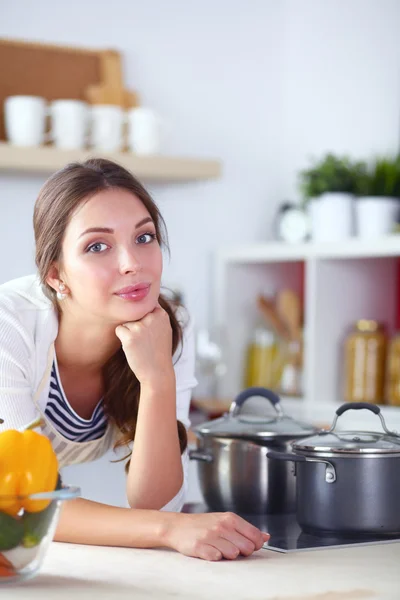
(134, 292)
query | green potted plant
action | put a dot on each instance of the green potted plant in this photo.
(328, 194)
(331, 174)
(378, 197)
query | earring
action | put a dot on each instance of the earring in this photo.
(60, 294)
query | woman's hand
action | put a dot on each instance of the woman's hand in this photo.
(148, 346)
(213, 536)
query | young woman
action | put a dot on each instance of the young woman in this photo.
(91, 345)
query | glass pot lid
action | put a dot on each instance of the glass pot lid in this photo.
(352, 442)
(252, 427)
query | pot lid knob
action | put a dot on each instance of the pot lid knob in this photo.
(251, 392)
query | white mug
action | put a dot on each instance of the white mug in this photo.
(144, 131)
(25, 120)
(107, 125)
(69, 124)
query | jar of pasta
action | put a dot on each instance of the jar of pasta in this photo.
(393, 371)
(365, 362)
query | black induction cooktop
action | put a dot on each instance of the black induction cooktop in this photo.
(287, 535)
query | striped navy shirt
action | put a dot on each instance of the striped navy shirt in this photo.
(64, 418)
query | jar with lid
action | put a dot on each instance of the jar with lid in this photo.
(263, 360)
(393, 371)
(365, 362)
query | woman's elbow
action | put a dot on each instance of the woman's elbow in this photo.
(159, 499)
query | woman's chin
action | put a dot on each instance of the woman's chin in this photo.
(135, 311)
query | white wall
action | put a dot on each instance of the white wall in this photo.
(341, 81)
(263, 85)
(212, 70)
(260, 84)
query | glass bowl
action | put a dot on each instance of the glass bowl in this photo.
(25, 535)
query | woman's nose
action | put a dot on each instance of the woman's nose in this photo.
(129, 262)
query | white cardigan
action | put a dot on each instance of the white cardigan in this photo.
(28, 328)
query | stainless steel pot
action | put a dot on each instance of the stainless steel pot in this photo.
(234, 472)
(348, 482)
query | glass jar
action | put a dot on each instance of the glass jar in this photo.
(365, 362)
(263, 361)
(291, 381)
(393, 372)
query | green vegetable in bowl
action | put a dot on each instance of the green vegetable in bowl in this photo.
(11, 532)
(36, 524)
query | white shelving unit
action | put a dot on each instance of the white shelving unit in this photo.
(342, 283)
(156, 168)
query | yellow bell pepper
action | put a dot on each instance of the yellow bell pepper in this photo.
(28, 465)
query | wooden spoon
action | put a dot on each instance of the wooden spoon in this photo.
(270, 314)
(289, 311)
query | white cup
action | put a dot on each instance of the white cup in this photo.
(144, 131)
(107, 125)
(25, 120)
(69, 124)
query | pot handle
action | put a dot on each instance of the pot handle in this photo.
(250, 392)
(358, 406)
(202, 456)
(330, 473)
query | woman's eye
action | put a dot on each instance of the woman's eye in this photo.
(97, 248)
(146, 238)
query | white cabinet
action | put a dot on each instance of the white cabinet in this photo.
(340, 283)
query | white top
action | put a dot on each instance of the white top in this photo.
(28, 328)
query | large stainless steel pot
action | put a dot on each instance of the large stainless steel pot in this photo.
(234, 472)
(348, 482)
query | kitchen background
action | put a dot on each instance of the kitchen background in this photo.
(262, 86)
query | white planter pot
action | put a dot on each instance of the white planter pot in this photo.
(332, 217)
(376, 216)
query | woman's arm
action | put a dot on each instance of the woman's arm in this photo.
(155, 471)
(87, 522)
(208, 536)
(184, 366)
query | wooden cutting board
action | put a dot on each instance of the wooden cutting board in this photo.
(111, 90)
(55, 72)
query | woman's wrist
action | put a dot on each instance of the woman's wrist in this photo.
(166, 527)
(160, 382)
(160, 527)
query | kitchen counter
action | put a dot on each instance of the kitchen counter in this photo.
(92, 572)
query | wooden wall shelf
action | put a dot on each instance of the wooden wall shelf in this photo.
(157, 168)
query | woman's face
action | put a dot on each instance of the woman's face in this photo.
(110, 248)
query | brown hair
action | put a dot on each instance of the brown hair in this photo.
(59, 197)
